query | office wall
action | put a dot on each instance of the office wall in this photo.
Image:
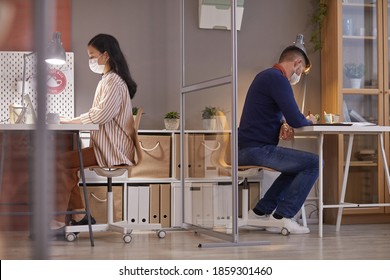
(149, 34)
(21, 37)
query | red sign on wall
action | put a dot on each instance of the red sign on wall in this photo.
(56, 81)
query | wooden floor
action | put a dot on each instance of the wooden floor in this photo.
(371, 242)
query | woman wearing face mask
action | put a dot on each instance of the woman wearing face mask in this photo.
(112, 144)
(269, 103)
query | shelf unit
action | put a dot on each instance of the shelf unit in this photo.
(356, 31)
(201, 188)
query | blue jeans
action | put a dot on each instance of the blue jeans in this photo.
(299, 171)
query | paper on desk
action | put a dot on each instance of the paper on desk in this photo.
(361, 123)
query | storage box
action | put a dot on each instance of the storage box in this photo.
(97, 198)
(156, 157)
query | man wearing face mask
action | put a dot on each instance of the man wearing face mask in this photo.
(112, 144)
(269, 106)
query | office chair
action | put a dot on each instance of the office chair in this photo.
(219, 159)
(122, 226)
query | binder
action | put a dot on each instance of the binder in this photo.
(198, 157)
(154, 206)
(165, 205)
(228, 201)
(187, 214)
(176, 205)
(143, 205)
(254, 194)
(210, 169)
(132, 205)
(208, 209)
(223, 200)
(196, 203)
(187, 163)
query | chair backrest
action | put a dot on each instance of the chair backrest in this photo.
(137, 146)
(219, 156)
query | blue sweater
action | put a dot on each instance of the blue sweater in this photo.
(269, 98)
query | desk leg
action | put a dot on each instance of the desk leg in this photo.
(85, 189)
(385, 166)
(320, 184)
(345, 180)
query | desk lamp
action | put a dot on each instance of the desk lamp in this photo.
(55, 55)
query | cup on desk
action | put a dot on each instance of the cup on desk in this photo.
(331, 118)
(53, 118)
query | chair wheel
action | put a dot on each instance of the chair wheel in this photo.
(70, 237)
(161, 233)
(127, 238)
(285, 231)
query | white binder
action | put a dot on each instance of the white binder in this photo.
(143, 205)
(132, 205)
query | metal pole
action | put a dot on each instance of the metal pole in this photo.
(43, 175)
(182, 109)
(234, 120)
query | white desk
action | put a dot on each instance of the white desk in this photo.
(60, 127)
(320, 131)
(66, 128)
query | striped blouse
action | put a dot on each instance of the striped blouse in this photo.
(112, 110)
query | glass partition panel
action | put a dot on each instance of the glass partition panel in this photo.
(208, 193)
(209, 60)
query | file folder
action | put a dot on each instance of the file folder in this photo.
(176, 205)
(165, 205)
(143, 205)
(208, 209)
(196, 203)
(132, 205)
(154, 206)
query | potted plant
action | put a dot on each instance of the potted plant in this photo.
(354, 72)
(172, 120)
(317, 21)
(135, 111)
(209, 114)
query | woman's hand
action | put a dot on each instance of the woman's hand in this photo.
(66, 120)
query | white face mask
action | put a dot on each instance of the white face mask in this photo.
(294, 79)
(95, 66)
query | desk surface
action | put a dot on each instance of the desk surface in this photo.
(331, 129)
(64, 127)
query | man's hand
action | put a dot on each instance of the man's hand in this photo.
(313, 118)
(286, 132)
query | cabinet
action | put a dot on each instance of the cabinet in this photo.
(356, 32)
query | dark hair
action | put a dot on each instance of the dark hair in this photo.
(292, 52)
(118, 64)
